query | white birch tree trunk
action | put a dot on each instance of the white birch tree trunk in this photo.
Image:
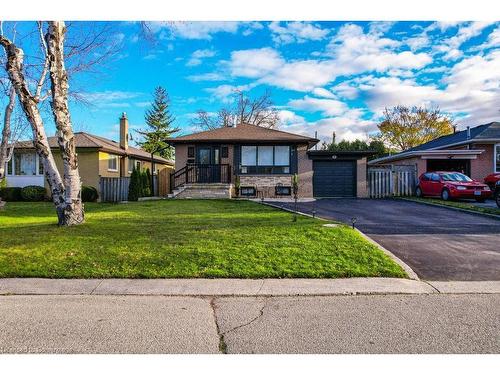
(30, 108)
(73, 213)
(5, 153)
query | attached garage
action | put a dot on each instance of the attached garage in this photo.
(339, 174)
(332, 178)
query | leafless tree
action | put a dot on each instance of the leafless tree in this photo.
(258, 111)
(82, 53)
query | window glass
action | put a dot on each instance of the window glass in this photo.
(281, 155)
(112, 163)
(9, 167)
(458, 177)
(25, 164)
(130, 165)
(435, 177)
(40, 166)
(248, 155)
(190, 152)
(265, 155)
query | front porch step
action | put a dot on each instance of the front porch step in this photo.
(203, 191)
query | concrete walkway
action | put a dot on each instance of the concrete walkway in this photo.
(241, 287)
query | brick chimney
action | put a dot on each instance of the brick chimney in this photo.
(124, 131)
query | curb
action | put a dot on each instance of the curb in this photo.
(493, 216)
(241, 287)
(409, 271)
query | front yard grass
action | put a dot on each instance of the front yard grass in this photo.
(458, 204)
(175, 238)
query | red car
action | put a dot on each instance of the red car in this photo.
(451, 185)
(492, 179)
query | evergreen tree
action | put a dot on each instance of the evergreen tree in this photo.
(134, 188)
(159, 122)
(145, 183)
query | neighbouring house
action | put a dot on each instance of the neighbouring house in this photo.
(261, 161)
(474, 151)
(97, 157)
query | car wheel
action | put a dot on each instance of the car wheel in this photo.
(418, 192)
(497, 198)
(445, 195)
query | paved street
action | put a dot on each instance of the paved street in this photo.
(437, 243)
(423, 323)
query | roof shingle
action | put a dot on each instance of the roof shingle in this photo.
(244, 133)
(86, 140)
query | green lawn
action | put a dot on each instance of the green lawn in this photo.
(182, 239)
(458, 204)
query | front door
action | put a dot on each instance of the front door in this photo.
(209, 164)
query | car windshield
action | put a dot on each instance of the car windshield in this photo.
(459, 177)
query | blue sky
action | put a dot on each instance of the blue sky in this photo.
(324, 76)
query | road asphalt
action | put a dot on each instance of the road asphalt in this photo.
(409, 323)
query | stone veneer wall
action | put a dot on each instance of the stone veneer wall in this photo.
(266, 183)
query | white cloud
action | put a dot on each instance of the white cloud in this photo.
(324, 93)
(299, 32)
(471, 87)
(111, 99)
(225, 93)
(198, 55)
(329, 107)
(193, 30)
(206, 77)
(493, 40)
(451, 46)
(351, 51)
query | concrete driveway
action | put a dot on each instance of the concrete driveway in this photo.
(438, 243)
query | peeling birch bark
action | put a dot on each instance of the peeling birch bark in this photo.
(73, 213)
(5, 154)
(30, 108)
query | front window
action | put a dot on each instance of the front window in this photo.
(265, 160)
(455, 177)
(25, 164)
(113, 163)
(497, 158)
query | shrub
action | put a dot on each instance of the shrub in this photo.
(134, 188)
(145, 183)
(11, 194)
(89, 194)
(33, 193)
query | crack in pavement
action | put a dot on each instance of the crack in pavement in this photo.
(222, 343)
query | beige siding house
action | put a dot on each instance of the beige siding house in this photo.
(97, 157)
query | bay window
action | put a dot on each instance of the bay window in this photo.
(265, 160)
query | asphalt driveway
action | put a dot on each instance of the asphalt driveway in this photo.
(437, 243)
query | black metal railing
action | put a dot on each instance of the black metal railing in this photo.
(202, 174)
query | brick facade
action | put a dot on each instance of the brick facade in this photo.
(484, 164)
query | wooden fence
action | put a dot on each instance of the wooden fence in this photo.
(115, 189)
(391, 182)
